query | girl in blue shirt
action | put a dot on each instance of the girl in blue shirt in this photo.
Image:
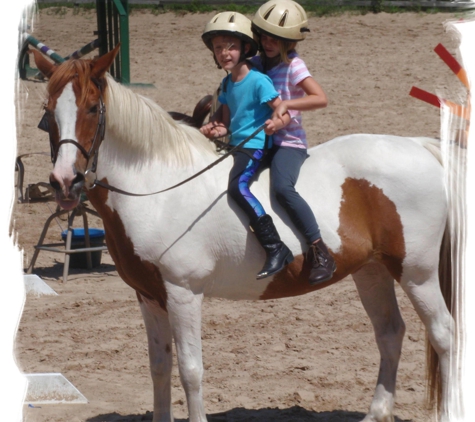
(248, 99)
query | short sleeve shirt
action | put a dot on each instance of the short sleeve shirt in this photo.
(286, 78)
(247, 101)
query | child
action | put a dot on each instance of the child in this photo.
(248, 99)
(280, 24)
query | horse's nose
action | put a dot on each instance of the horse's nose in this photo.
(67, 184)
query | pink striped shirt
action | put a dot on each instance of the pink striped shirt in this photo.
(286, 78)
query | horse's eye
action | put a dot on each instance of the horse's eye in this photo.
(93, 109)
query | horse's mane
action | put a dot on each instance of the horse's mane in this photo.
(139, 123)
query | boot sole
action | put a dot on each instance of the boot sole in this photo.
(288, 259)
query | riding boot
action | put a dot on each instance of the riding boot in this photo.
(323, 264)
(278, 255)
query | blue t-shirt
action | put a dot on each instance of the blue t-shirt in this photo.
(247, 102)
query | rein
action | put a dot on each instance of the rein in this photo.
(114, 189)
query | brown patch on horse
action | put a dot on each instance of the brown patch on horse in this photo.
(143, 276)
(370, 229)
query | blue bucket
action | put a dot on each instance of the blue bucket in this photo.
(78, 241)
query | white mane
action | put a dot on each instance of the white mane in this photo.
(143, 127)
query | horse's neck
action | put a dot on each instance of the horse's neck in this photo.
(139, 129)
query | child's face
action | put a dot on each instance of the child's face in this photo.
(271, 46)
(227, 50)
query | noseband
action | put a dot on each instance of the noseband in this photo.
(96, 141)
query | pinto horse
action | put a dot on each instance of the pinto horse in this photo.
(380, 201)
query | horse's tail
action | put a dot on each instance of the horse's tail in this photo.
(453, 157)
(433, 375)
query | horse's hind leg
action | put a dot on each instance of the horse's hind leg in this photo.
(425, 294)
(376, 289)
(161, 358)
(184, 308)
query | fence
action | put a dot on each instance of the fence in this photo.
(338, 3)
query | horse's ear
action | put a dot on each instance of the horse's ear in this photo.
(45, 67)
(101, 65)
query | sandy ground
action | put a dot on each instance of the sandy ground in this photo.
(310, 358)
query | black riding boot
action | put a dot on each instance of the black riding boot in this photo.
(277, 254)
(323, 264)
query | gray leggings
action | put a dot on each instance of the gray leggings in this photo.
(284, 172)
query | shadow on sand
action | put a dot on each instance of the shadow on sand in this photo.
(56, 270)
(292, 414)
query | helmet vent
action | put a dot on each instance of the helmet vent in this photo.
(266, 16)
(231, 18)
(283, 18)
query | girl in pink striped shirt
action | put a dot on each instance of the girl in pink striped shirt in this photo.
(279, 25)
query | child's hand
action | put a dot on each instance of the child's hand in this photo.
(280, 111)
(271, 127)
(213, 130)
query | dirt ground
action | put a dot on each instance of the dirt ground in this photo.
(310, 358)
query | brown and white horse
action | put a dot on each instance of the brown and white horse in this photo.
(380, 201)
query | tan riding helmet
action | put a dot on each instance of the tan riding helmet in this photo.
(231, 23)
(283, 19)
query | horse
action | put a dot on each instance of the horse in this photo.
(380, 200)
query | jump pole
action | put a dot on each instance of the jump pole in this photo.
(429, 98)
(453, 64)
(457, 109)
(44, 49)
(24, 61)
(459, 71)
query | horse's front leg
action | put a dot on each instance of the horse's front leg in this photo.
(159, 338)
(184, 309)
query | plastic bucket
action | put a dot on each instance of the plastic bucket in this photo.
(78, 241)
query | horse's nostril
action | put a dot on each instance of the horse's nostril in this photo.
(54, 184)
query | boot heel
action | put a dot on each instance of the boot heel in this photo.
(278, 255)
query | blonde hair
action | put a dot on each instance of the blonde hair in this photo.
(286, 47)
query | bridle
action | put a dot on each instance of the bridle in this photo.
(96, 140)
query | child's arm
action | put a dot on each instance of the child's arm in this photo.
(276, 122)
(315, 98)
(218, 125)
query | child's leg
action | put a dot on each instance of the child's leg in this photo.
(242, 174)
(285, 170)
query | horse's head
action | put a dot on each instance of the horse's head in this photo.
(75, 120)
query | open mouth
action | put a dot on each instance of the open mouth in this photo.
(66, 203)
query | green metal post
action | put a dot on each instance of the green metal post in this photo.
(113, 27)
(122, 7)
